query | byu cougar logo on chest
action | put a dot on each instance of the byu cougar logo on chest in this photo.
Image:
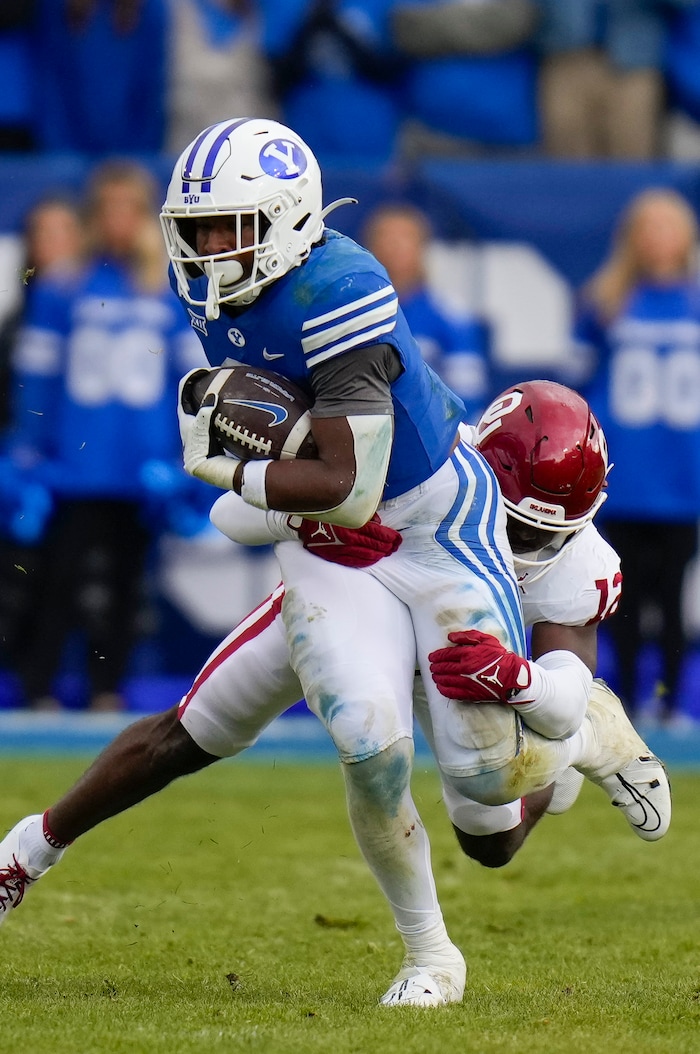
(236, 337)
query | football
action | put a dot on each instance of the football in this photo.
(259, 413)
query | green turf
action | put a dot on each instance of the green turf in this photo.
(233, 913)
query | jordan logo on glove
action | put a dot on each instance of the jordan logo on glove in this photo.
(479, 669)
(494, 682)
(349, 546)
(322, 534)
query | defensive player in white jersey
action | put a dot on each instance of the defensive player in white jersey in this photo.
(550, 458)
(248, 680)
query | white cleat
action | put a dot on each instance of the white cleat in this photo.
(428, 985)
(566, 791)
(16, 872)
(642, 792)
(633, 778)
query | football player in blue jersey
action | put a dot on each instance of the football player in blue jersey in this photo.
(388, 440)
(265, 282)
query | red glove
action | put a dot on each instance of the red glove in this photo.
(349, 546)
(478, 669)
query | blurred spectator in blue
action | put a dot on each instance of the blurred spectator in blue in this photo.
(53, 249)
(96, 369)
(215, 67)
(457, 348)
(472, 74)
(53, 246)
(336, 76)
(16, 63)
(602, 91)
(100, 73)
(639, 324)
(683, 61)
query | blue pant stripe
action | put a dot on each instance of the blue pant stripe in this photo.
(474, 512)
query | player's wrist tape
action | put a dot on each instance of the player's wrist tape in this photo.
(253, 484)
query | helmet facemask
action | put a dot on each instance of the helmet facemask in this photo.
(238, 276)
(547, 545)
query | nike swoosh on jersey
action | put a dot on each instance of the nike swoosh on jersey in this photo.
(270, 355)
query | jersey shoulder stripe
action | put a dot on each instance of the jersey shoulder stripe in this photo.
(361, 322)
(370, 336)
(346, 309)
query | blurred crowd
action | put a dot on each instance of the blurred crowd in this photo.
(104, 542)
(363, 81)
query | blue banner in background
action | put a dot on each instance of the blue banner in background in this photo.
(566, 210)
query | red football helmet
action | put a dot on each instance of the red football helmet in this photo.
(549, 454)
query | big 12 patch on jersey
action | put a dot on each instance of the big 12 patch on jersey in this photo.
(258, 414)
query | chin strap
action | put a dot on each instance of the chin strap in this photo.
(227, 274)
(211, 307)
(540, 560)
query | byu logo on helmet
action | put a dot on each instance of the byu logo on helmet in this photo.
(282, 159)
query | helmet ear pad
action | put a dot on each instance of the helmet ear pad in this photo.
(271, 263)
(290, 232)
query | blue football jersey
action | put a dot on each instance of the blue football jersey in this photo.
(96, 367)
(340, 299)
(645, 389)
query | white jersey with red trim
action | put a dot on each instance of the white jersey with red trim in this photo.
(580, 587)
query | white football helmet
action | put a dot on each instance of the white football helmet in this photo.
(254, 170)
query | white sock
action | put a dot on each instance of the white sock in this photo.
(41, 854)
(581, 745)
(393, 841)
(429, 946)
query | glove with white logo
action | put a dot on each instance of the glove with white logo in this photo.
(198, 451)
(478, 669)
(351, 547)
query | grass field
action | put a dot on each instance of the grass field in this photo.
(232, 912)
